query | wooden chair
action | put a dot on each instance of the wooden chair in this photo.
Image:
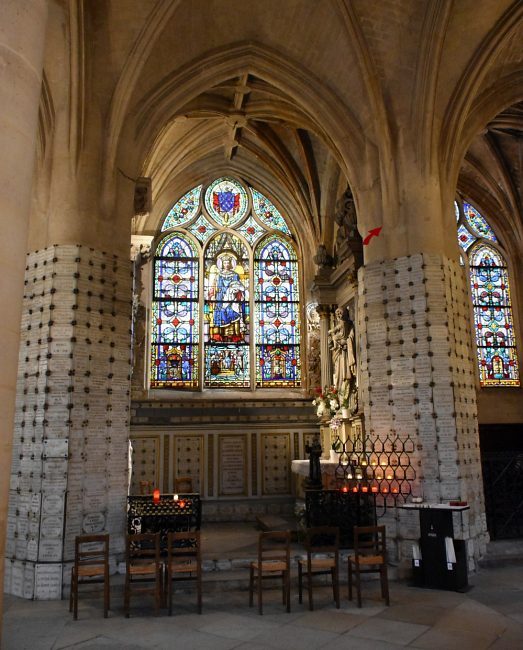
(183, 484)
(91, 564)
(319, 542)
(274, 559)
(184, 562)
(370, 556)
(143, 567)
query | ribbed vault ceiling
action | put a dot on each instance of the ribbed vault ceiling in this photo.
(248, 126)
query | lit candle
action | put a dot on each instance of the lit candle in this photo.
(389, 477)
(374, 488)
(156, 496)
(355, 488)
(181, 504)
(364, 488)
(384, 490)
(175, 497)
(395, 490)
(344, 489)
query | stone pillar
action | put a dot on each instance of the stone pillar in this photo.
(22, 37)
(69, 472)
(325, 356)
(417, 380)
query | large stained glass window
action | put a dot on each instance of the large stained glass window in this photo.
(277, 321)
(225, 310)
(491, 300)
(175, 330)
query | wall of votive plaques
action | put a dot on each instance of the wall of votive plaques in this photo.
(70, 458)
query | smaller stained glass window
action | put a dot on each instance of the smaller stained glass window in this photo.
(478, 223)
(494, 326)
(226, 201)
(183, 210)
(267, 212)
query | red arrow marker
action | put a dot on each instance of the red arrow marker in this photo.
(372, 233)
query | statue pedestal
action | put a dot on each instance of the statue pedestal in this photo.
(350, 429)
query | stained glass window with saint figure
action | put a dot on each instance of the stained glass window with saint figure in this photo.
(226, 312)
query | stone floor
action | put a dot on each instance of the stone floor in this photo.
(489, 615)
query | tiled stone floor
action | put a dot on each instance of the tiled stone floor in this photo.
(489, 615)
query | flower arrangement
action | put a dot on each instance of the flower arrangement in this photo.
(326, 402)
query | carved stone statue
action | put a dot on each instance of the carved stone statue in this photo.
(322, 259)
(142, 196)
(343, 350)
(313, 336)
(348, 240)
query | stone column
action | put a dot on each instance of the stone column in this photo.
(69, 473)
(22, 38)
(325, 356)
(417, 381)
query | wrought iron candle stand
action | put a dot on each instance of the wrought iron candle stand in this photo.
(379, 466)
(371, 474)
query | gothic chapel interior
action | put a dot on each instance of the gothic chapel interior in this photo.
(191, 190)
